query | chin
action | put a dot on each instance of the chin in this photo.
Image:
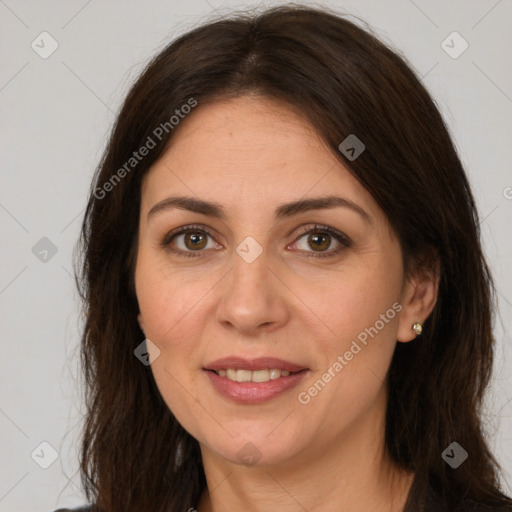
(255, 447)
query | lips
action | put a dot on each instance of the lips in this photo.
(254, 393)
(261, 363)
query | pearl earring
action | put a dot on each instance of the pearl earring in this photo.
(417, 328)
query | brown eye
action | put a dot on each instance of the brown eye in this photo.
(320, 238)
(190, 241)
(319, 241)
(187, 241)
(196, 239)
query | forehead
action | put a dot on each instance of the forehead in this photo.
(250, 151)
(248, 124)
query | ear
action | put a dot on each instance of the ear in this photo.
(419, 296)
(141, 322)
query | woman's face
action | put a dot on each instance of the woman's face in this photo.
(255, 283)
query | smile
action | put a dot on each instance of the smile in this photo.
(239, 375)
(243, 386)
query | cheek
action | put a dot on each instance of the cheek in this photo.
(171, 309)
(358, 300)
(361, 310)
(169, 299)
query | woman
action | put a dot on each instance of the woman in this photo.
(285, 294)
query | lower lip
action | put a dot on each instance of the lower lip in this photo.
(254, 392)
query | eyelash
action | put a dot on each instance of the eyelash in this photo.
(317, 229)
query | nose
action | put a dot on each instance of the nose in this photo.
(253, 297)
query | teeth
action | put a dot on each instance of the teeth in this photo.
(260, 376)
(243, 375)
(256, 376)
(275, 374)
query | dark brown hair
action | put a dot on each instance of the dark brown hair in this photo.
(135, 455)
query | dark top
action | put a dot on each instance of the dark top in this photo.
(434, 504)
(466, 506)
(86, 508)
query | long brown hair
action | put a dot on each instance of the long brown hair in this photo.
(135, 455)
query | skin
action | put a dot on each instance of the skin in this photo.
(251, 155)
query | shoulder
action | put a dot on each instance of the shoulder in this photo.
(472, 506)
(84, 508)
(436, 504)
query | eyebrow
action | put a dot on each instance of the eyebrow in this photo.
(286, 210)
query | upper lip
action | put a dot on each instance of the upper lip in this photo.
(260, 363)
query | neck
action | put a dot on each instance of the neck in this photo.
(352, 474)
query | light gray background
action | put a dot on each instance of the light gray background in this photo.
(55, 117)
